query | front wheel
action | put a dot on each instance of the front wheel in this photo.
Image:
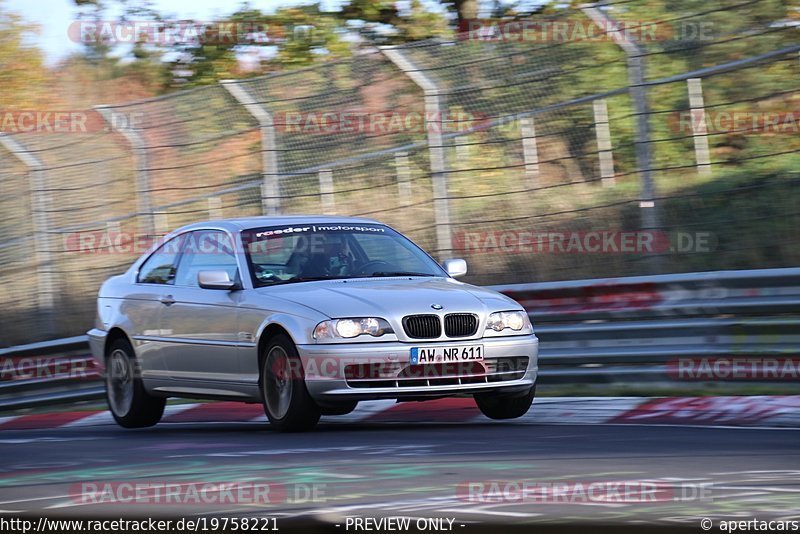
(130, 405)
(505, 406)
(287, 403)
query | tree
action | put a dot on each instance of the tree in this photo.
(97, 72)
(22, 69)
(465, 9)
(383, 23)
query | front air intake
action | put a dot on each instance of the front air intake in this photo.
(422, 326)
(460, 324)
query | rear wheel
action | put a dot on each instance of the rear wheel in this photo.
(505, 406)
(287, 403)
(129, 403)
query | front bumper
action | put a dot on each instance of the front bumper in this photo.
(97, 344)
(326, 379)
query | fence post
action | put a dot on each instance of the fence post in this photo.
(638, 92)
(326, 192)
(271, 181)
(403, 170)
(121, 124)
(603, 133)
(433, 108)
(530, 152)
(697, 116)
(42, 240)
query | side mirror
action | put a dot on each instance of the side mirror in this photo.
(215, 280)
(455, 267)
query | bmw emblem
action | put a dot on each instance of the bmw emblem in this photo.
(436, 306)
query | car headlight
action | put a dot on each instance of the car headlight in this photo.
(515, 320)
(351, 327)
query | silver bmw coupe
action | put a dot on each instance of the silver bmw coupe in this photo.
(307, 315)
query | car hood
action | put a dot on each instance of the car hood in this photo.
(390, 297)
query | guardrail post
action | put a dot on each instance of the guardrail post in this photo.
(271, 183)
(638, 92)
(326, 192)
(603, 133)
(697, 116)
(433, 108)
(46, 275)
(123, 125)
(530, 152)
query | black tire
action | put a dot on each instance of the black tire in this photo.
(500, 406)
(122, 379)
(338, 409)
(287, 403)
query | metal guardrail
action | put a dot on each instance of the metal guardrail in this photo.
(637, 329)
(627, 330)
(50, 372)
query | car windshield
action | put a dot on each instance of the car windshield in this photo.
(307, 252)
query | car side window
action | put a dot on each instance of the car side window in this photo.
(206, 250)
(159, 268)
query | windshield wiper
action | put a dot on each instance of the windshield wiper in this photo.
(297, 279)
(378, 274)
(400, 273)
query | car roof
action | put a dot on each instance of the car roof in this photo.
(246, 223)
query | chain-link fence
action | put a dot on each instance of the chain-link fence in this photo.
(562, 154)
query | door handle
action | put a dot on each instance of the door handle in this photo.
(167, 300)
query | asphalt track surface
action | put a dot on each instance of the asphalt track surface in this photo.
(416, 470)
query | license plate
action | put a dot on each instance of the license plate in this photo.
(425, 355)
